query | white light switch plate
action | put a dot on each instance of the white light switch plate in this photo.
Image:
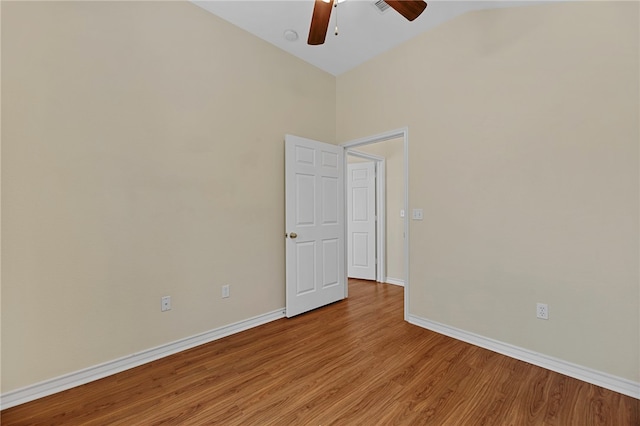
(417, 214)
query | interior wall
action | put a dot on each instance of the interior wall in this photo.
(393, 152)
(523, 147)
(143, 156)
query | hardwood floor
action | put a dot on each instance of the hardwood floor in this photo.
(355, 362)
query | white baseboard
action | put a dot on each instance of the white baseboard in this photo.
(395, 281)
(608, 381)
(81, 377)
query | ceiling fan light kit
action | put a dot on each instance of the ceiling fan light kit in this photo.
(410, 9)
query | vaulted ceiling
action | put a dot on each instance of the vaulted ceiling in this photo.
(364, 31)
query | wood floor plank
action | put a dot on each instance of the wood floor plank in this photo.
(355, 362)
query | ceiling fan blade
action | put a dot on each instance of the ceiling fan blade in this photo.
(319, 22)
(410, 9)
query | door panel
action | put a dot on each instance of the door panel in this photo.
(330, 191)
(331, 260)
(305, 200)
(306, 256)
(360, 249)
(314, 192)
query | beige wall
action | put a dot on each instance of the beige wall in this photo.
(123, 124)
(523, 127)
(142, 156)
(393, 152)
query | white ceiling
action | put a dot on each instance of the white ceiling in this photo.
(364, 31)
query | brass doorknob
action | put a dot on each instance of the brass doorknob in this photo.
(293, 235)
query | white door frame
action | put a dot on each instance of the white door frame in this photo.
(381, 223)
(393, 134)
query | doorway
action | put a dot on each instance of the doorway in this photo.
(388, 151)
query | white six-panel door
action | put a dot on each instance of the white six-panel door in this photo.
(361, 220)
(315, 232)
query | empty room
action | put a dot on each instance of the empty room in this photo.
(174, 213)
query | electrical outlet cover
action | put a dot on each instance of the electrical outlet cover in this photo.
(165, 303)
(542, 311)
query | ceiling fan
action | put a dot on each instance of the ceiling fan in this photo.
(410, 9)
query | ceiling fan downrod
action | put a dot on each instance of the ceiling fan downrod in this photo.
(335, 6)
